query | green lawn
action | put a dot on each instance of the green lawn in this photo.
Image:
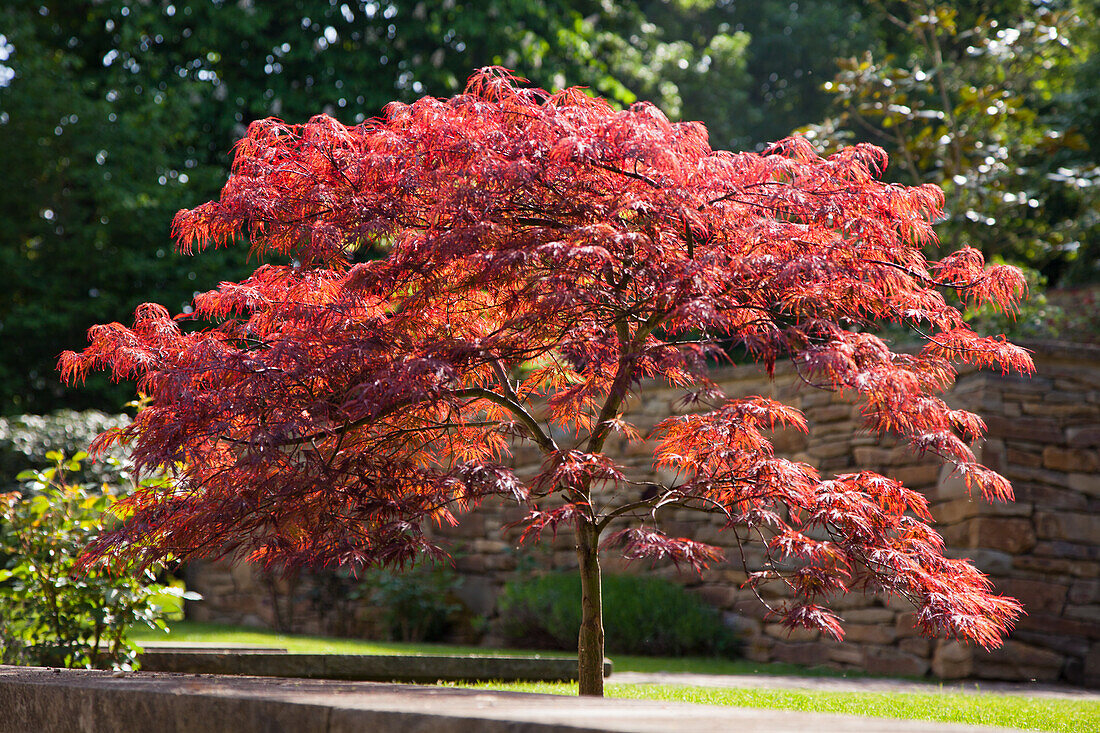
(1035, 713)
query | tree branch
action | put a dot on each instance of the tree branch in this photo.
(540, 437)
(629, 174)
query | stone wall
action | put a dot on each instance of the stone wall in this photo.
(1044, 435)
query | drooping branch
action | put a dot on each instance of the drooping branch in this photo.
(540, 436)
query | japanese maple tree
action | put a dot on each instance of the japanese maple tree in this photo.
(546, 256)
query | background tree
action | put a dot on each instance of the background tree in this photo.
(547, 254)
(987, 101)
(114, 114)
(791, 50)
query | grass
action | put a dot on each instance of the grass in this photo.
(219, 634)
(1035, 713)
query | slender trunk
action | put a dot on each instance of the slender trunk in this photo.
(590, 642)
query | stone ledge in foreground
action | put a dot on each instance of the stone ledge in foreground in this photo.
(261, 662)
(58, 701)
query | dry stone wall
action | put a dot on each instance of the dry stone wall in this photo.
(1044, 548)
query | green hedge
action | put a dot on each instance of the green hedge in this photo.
(642, 615)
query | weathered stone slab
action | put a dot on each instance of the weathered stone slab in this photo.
(952, 660)
(1008, 535)
(1038, 596)
(879, 633)
(380, 668)
(1082, 528)
(1084, 437)
(890, 661)
(1034, 429)
(1070, 460)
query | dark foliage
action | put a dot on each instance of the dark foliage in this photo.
(649, 616)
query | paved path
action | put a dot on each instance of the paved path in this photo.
(852, 684)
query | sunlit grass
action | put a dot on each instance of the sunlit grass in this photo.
(190, 631)
(1035, 713)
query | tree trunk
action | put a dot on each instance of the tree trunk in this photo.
(590, 643)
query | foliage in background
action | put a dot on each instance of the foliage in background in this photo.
(53, 611)
(1036, 318)
(417, 603)
(986, 101)
(116, 113)
(790, 51)
(642, 615)
(25, 440)
(1078, 313)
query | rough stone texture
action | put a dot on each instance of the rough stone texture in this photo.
(952, 660)
(1044, 434)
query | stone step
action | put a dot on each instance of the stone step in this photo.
(367, 667)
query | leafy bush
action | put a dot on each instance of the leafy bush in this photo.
(415, 604)
(25, 439)
(641, 616)
(51, 611)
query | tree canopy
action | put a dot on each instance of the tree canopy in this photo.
(546, 254)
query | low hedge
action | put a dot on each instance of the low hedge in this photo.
(642, 615)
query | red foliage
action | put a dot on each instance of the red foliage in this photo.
(545, 254)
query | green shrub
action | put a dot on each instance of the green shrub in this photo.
(51, 612)
(417, 603)
(641, 615)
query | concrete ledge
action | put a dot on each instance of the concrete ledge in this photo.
(244, 659)
(59, 701)
(378, 668)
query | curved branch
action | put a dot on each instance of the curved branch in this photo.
(629, 174)
(633, 506)
(541, 437)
